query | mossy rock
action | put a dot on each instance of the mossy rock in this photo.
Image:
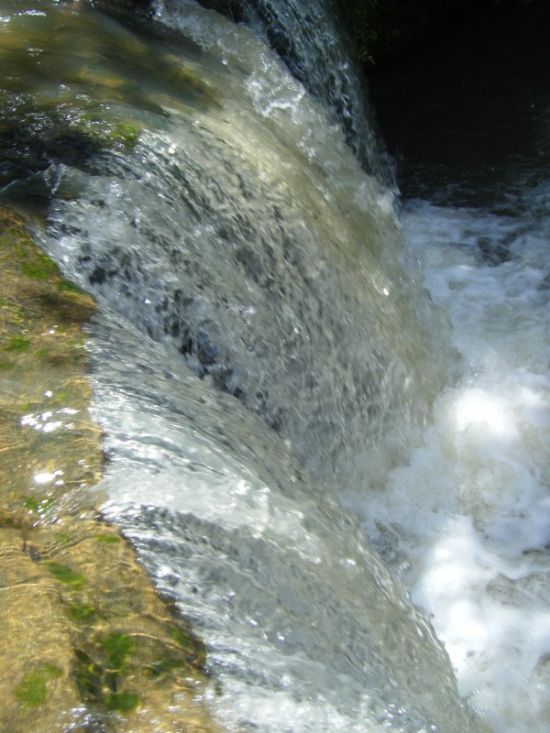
(66, 575)
(68, 101)
(42, 377)
(117, 647)
(85, 636)
(128, 658)
(32, 691)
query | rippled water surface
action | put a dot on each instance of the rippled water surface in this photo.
(466, 521)
(275, 385)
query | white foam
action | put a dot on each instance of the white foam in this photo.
(467, 522)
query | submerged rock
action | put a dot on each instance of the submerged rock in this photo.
(86, 642)
(63, 102)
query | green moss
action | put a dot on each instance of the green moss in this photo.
(60, 398)
(17, 344)
(39, 268)
(66, 575)
(164, 665)
(92, 680)
(107, 539)
(82, 612)
(67, 287)
(125, 133)
(107, 133)
(183, 639)
(46, 504)
(31, 504)
(33, 688)
(122, 702)
(39, 506)
(6, 235)
(5, 365)
(118, 647)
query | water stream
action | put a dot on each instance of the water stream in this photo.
(277, 388)
(466, 522)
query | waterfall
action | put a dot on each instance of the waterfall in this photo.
(311, 40)
(258, 351)
(265, 357)
(281, 277)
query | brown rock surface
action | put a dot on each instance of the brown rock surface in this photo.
(86, 642)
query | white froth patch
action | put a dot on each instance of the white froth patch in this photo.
(477, 410)
(467, 522)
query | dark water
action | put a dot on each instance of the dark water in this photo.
(468, 121)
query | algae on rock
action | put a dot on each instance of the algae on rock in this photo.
(75, 83)
(86, 640)
(87, 643)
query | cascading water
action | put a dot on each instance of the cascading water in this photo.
(262, 350)
(225, 253)
(245, 253)
(309, 37)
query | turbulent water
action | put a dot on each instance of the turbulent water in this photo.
(466, 522)
(265, 362)
(310, 38)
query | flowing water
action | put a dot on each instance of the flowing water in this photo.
(311, 40)
(273, 379)
(466, 523)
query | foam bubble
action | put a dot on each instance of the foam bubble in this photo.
(467, 522)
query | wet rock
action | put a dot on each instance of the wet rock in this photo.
(87, 643)
(66, 102)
